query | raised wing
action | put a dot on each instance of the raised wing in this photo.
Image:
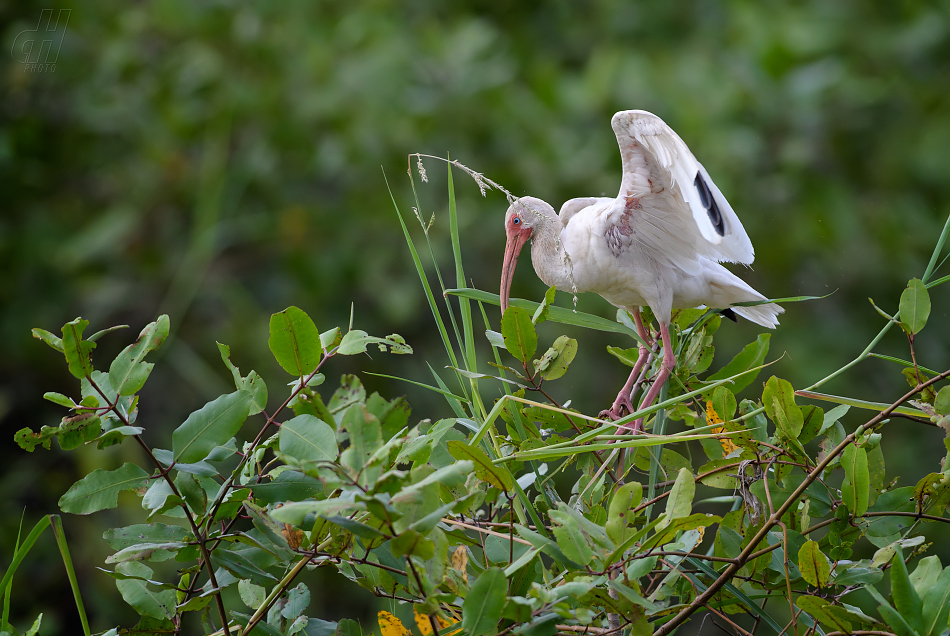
(663, 181)
(573, 206)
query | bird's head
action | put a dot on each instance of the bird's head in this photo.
(524, 216)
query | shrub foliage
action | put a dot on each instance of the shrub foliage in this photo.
(509, 513)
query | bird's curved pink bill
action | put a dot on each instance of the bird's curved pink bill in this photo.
(517, 237)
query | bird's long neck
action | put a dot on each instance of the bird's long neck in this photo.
(548, 255)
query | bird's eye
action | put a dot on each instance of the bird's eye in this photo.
(516, 221)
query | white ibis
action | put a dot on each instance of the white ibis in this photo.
(659, 243)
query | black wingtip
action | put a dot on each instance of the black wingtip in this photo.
(731, 315)
(709, 202)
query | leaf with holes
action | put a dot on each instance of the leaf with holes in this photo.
(76, 349)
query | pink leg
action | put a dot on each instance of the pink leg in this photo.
(624, 397)
(666, 368)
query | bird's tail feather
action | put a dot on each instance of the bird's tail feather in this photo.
(765, 315)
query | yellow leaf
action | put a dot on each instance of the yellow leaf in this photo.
(713, 418)
(460, 561)
(424, 623)
(292, 535)
(389, 625)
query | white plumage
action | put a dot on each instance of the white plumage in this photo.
(659, 243)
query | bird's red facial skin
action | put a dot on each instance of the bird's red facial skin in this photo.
(517, 234)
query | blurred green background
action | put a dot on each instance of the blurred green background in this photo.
(219, 161)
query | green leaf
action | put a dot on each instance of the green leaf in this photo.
(100, 489)
(484, 603)
(297, 601)
(52, 340)
(570, 538)
(412, 542)
(330, 338)
(557, 314)
(541, 313)
(307, 438)
(855, 490)
(818, 608)
(355, 341)
(936, 605)
(779, 401)
(59, 398)
(627, 356)
(295, 341)
(121, 538)
(751, 356)
(147, 552)
(71, 433)
(137, 593)
(564, 349)
(497, 476)
(213, 424)
(680, 502)
(620, 514)
(77, 350)
(724, 403)
(35, 627)
(240, 566)
(252, 595)
(295, 512)
(365, 437)
(914, 306)
(521, 341)
(253, 383)
(906, 600)
(128, 371)
(896, 621)
(192, 492)
(813, 564)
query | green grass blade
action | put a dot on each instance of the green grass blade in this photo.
(60, 535)
(423, 385)
(435, 264)
(557, 314)
(788, 299)
(939, 281)
(465, 306)
(937, 250)
(424, 280)
(659, 428)
(905, 363)
(453, 403)
(862, 404)
(22, 551)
